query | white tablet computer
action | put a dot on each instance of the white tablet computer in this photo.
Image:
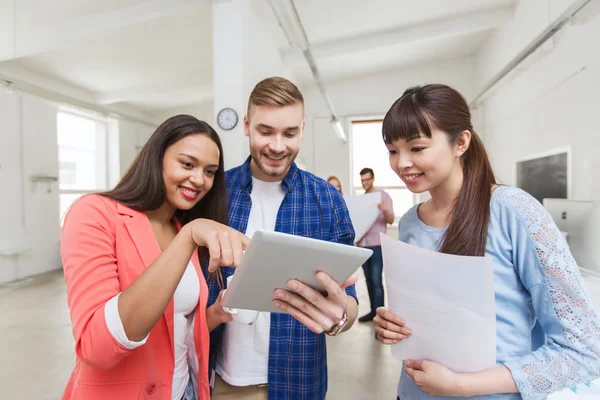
(273, 258)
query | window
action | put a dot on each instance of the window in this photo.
(368, 150)
(82, 157)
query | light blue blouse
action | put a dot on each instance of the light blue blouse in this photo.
(548, 334)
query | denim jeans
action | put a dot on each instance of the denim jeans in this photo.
(373, 269)
(189, 391)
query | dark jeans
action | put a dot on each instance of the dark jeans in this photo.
(189, 391)
(373, 268)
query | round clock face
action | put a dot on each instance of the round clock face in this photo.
(227, 119)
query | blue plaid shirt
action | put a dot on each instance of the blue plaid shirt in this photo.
(312, 208)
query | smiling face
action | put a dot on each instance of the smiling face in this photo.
(189, 168)
(367, 180)
(275, 136)
(425, 164)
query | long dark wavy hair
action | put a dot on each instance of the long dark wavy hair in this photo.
(142, 188)
(422, 108)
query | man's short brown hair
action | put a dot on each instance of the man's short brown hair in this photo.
(274, 91)
(365, 171)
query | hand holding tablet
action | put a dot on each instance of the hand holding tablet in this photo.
(319, 313)
(273, 258)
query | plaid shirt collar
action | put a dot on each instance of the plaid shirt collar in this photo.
(288, 183)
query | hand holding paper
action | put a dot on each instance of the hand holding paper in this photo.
(447, 302)
(390, 328)
(433, 378)
(363, 210)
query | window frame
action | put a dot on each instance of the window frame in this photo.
(357, 190)
(100, 150)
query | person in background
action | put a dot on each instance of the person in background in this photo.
(547, 332)
(373, 267)
(131, 258)
(334, 180)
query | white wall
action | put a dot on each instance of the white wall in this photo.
(127, 145)
(244, 53)
(12, 226)
(29, 213)
(29, 217)
(203, 111)
(7, 29)
(553, 103)
(132, 136)
(324, 154)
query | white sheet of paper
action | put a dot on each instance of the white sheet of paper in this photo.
(448, 303)
(363, 210)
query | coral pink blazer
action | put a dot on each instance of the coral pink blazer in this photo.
(105, 247)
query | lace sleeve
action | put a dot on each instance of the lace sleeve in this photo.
(544, 262)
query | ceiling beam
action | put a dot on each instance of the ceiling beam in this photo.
(52, 37)
(433, 29)
(133, 94)
(28, 81)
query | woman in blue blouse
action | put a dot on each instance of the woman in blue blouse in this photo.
(548, 334)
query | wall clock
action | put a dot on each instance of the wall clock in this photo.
(227, 119)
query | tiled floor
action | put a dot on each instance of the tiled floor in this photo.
(36, 343)
(36, 346)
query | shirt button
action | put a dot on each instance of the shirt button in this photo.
(151, 389)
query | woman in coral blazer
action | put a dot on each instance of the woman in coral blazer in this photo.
(131, 258)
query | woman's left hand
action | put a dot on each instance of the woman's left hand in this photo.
(434, 379)
(216, 315)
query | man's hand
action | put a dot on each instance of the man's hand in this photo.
(317, 312)
(389, 215)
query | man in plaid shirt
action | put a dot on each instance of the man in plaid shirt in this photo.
(281, 355)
